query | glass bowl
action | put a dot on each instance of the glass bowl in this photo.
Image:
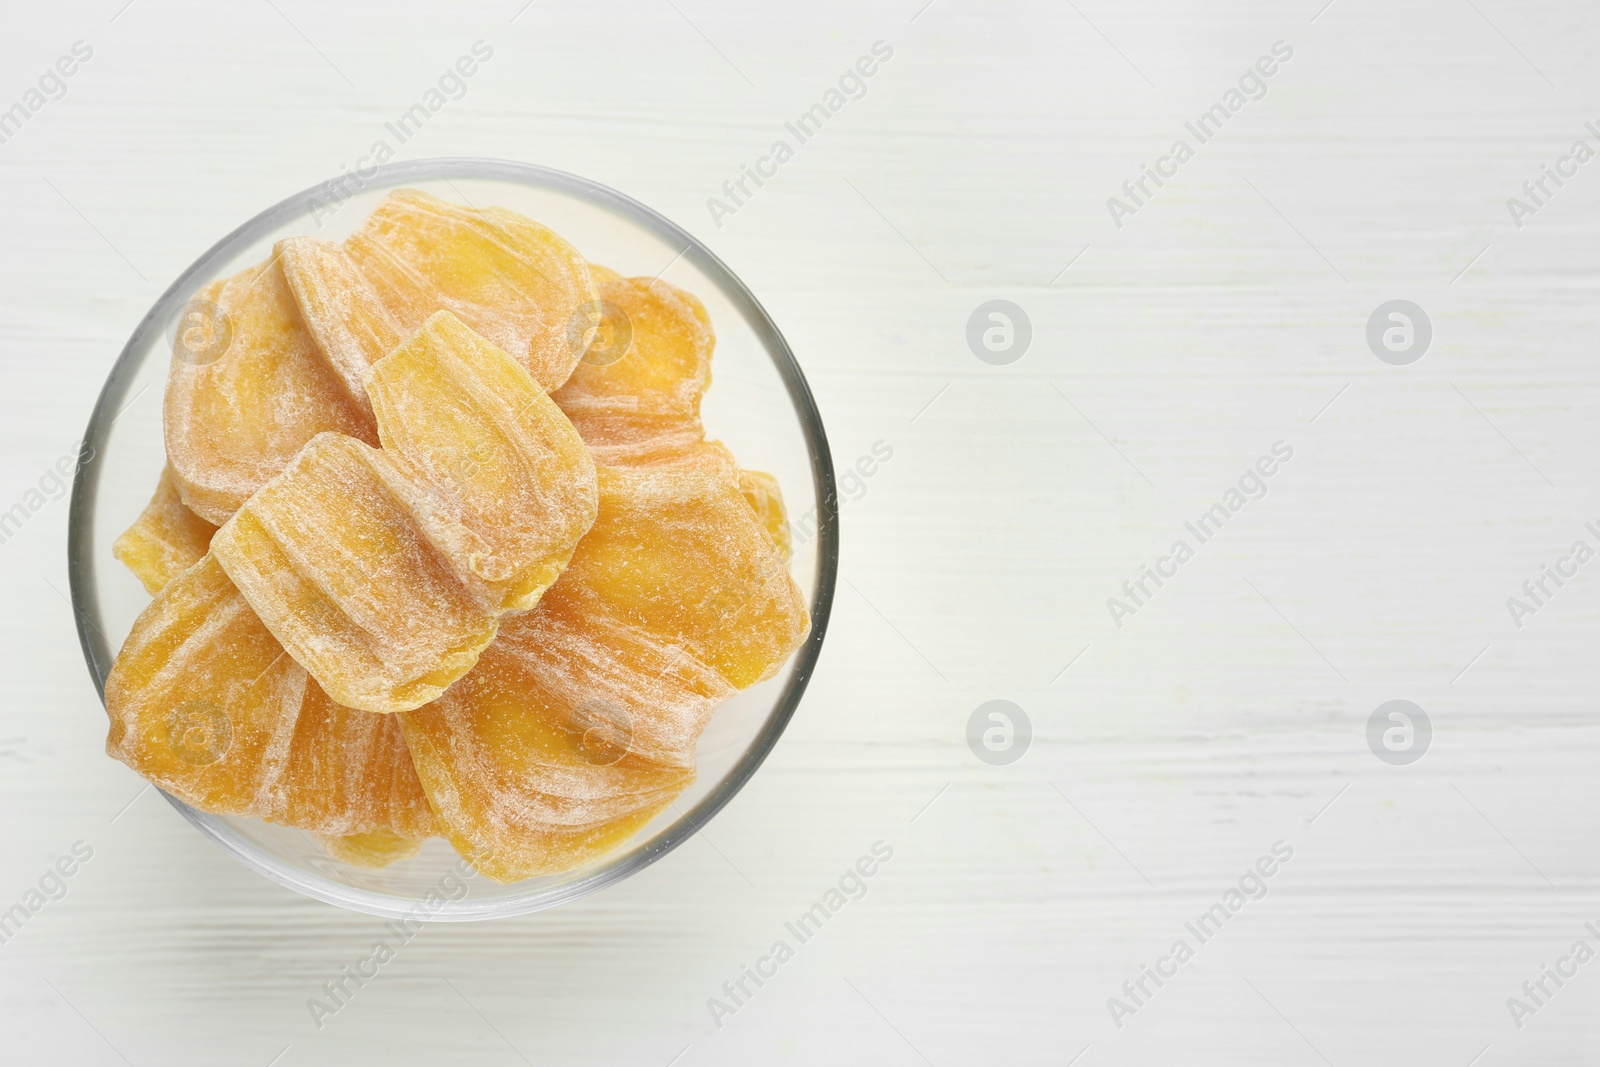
(759, 405)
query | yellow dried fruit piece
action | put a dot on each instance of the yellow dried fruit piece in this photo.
(378, 848)
(331, 557)
(765, 498)
(247, 389)
(504, 275)
(604, 677)
(529, 776)
(165, 540)
(636, 395)
(201, 698)
(341, 310)
(652, 363)
(580, 722)
(351, 773)
(636, 400)
(383, 572)
(206, 704)
(680, 555)
(504, 462)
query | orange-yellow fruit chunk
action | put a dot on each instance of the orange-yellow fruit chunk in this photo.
(680, 555)
(247, 389)
(580, 722)
(635, 396)
(165, 540)
(377, 848)
(504, 463)
(761, 492)
(330, 556)
(509, 278)
(528, 777)
(341, 310)
(352, 773)
(651, 358)
(383, 572)
(206, 704)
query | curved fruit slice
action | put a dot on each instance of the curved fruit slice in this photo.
(651, 358)
(341, 310)
(580, 722)
(377, 848)
(351, 773)
(207, 705)
(503, 460)
(331, 557)
(165, 540)
(202, 700)
(761, 492)
(635, 396)
(680, 555)
(383, 572)
(523, 787)
(598, 674)
(247, 389)
(509, 278)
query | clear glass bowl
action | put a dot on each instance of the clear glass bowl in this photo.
(759, 405)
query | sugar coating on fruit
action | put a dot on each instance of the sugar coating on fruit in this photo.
(510, 279)
(638, 404)
(341, 310)
(352, 773)
(653, 361)
(165, 540)
(247, 389)
(521, 788)
(205, 703)
(680, 555)
(581, 720)
(332, 558)
(384, 571)
(502, 461)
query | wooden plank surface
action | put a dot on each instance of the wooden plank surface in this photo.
(1229, 712)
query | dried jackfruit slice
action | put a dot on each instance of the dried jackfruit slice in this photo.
(652, 362)
(765, 498)
(529, 776)
(205, 703)
(635, 397)
(504, 462)
(165, 540)
(331, 556)
(247, 389)
(202, 700)
(680, 555)
(580, 722)
(351, 773)
(507, 277)
(377, 848)
(637, 401)
(341, 310)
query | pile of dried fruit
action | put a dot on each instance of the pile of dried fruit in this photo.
(479, 573)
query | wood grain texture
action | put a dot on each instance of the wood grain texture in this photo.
(1226, 314)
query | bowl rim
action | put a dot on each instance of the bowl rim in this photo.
(81, 564)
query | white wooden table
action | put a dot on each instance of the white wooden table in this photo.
(1229, 710)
